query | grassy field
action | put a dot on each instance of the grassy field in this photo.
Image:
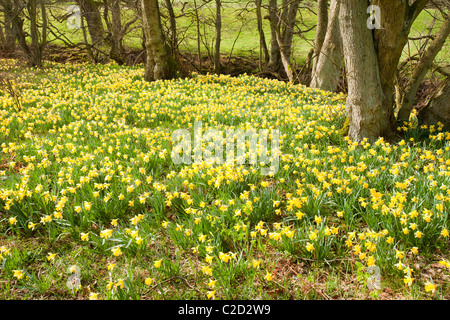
(92, 206)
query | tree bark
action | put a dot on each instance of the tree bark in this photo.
(397, 19)
(90, 11)
(282, 31)
(288, 22)
(218, 24)
(368, 117)
(262, 39)
(321, 31)
(2, 38)
(159, 65)
(116, 52)
(13, 11)
(173, 29)
(197, 22)
(420, 70)
(275, 56)
(327, 69)
(9, 41)
(37, 46)
(285, 60)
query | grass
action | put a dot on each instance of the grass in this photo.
(89, 192)
(421, 27)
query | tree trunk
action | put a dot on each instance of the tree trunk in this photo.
(420, 70)
(288, 21)
(9, 41)
(13, 11)
(285, 60)
(368, 117)
(438, 109)
(89, 49)
(282, 31)
(327, 69)
(116, 52)
(37, 42)
(173, 29)
(321, 31)
(199, 52)
(90, 11)
(217, 66)
(262, 39)
(397, 18)
(197, 23)
(275, 55)
(2, 38)
(159, 65)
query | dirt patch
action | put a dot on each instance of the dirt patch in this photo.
(425, 91)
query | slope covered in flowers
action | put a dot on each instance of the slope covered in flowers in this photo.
(92, 205)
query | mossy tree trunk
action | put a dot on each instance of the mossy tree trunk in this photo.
(100, 46)
(329, 55)
(159, 64)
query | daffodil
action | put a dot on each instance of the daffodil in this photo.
(13, 220)
(45, 219)
(58, 215)
(211, 294)
(93, 296)
(32, 225)
(107, 233)
(256, 263)
(51, 256)
(116, 251)
(207, 270)
(18, 274)
(209, 259)
(212, 283)
(429, 286)
(157, 264)
(87, 205)
(110, 285)
(120, 283)
(268, 276)
(202, 238)
(317, 219)
(408, 280)
(111, 266)
(370, 261)
(224, 257)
